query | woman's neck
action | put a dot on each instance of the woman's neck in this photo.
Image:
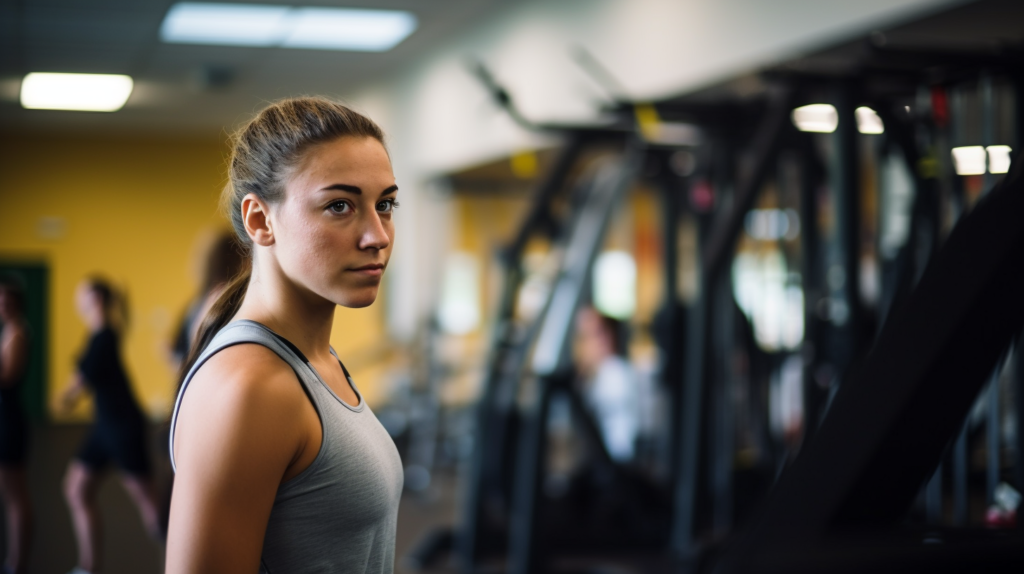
(96, 322)
(304, 318)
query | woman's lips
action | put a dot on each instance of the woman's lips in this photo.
(375, 270)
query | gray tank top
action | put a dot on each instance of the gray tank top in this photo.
(340, 514)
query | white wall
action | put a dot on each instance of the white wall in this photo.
(439, 118)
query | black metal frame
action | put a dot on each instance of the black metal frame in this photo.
(852, 471)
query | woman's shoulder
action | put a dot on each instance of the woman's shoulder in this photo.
(244, 369)
(240, 411)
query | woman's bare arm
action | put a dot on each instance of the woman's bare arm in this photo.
(240, 428)
(73, 392)
(13, 356)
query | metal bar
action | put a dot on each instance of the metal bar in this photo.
(763, 148)
(714, 258)
(612, 182)
(960, 478)
(992, 403)
(933, 497)
(468, 542)
(1018, 402)
(1018, 374)
(921, 240)
(992, 467)
(684, 515)
(523, 555)
(553, 184)
(810, 272)
(844, 268)
(551, 356)
(905, 274)
(673, 316)
(723, 450)
(957, 129)
(988, 121)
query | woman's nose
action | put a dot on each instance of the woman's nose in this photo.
(374, 235)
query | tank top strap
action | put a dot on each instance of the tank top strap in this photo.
(241, 332)
(348, 377)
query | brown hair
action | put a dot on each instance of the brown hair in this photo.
(226, 259)
(263, 153)
(113, 301)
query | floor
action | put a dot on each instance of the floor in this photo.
(126, 548)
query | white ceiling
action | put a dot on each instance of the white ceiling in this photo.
(171, 94)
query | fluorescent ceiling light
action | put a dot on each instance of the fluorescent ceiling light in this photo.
(79, 92)
(286, 26)
(349, 29)
(868, 121)
(224, 24)
(819, 118)
(998, 158)
(969, 160)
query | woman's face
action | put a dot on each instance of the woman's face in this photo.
(86, 300)
(592, 343)
(333, 231)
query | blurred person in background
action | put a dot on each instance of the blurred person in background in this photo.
(117, 435)
(280, 465)
(14, 350)
(224, 261)
(611, 387)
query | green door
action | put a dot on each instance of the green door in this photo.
(35, 277)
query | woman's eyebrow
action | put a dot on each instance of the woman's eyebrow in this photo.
(355, 188)
(343, 187)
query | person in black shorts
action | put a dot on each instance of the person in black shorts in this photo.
(118, 434)
(14, 348)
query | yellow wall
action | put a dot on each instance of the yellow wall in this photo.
(137, 211)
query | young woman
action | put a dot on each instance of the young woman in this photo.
(14, 348)
(118, 435)
(281, 467)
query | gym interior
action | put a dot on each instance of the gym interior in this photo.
(687, 286)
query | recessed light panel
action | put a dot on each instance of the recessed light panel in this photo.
(969, 160)
(998, 158)
(819, 118)
(225, 24)
(78, 92)
(286, 26)
(348, 29)
(868, 121)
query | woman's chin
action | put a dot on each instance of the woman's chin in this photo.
(357, 299)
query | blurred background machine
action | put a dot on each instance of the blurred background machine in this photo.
(768, 325)
(823, 266)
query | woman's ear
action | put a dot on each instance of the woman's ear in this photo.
(256, 218)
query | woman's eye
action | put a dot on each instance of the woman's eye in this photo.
(339, 207)
(386, 205)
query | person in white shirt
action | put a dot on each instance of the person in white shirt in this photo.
(610, 384)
